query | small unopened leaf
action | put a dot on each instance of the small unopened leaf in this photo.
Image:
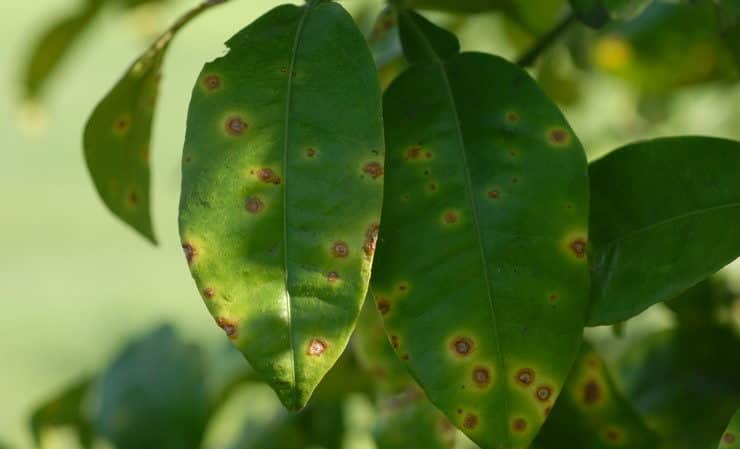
(68, 409)
(593, 414)
(154, 395)
(731, 438)
(118, 134)
(483, 295)
(282, 188)
(665, 214)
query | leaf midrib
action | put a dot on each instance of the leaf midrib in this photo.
(469, 190)
(288, 102)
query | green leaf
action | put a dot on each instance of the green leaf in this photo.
(483, 294)
(282, 189)
(731, 438)
(685, 383)
(154, 395)
(118, 134)
(69, 408)
(54, 45)
(592, 413)
(664, 216)
(701, 305)
(459, 6)
(408, 420)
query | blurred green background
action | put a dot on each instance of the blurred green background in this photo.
(76, 283)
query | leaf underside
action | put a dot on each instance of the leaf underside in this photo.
(664, 216)
(592, 413)
(282, 190)
(481, 274)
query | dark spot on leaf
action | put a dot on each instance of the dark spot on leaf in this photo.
(235, 126)
(493, 194)
(373, 169)
(394, 341)
(481, 376)
(426, 172)
(340, 249)
(728, 438)
(578, 247)
(384, 306)
(450, 217)
(525, 376)
(413, 153)
(311, 152)
(462, 346)
(190, 252)
(254, 205)
(470, 421)
(432, 187)
(519, 425)
(591, 392)
(552, 298)
(208, 292)
(212, 82)
(543, 393)
(613, 435)
(188, 159)
(332, 276)
(122, 124)
(133, 199)
(371, 238)
(512, 117)
(558, 136)
(267, 175)
(405, 356)
(316, 347)
(402, 287)
(229, 327)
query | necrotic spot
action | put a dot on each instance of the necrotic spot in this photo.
(613, 435)
(332, 276)
(268, 176)
(122, 124)
(470, 421)
(558, 137)
(481, 376)
(384, 306)
(190, 252)
(208, 292)
(394, 341)
(591, 392)
(373, 169)
(450, 217)
(212, 82)
(578, 247)
(311, 152)
(543, 393)
(413, 153)
(235, 125)
(254, 205)
(462, 346)
(229, 327)
(728, 438)
(340, 249)
(512, 117)
(493, 194)
(525, 376)
(371, 238)
(519, 425)
(316, 347)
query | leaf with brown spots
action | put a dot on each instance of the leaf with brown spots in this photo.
(282, 188)
(478, 268)
(731, 436)
(664, 216)
(117, 135)
(592, 413)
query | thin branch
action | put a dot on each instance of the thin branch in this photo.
(528, 58)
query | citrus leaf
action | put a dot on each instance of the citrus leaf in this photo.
(664, 216)
(731, 437)
(67, 409)
(592, 413)
(483, 294)
(118, 134)
(409, 420)
(685, 384)
(282, 189)
(154, 395)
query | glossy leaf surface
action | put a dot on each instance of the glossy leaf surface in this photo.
(118, 134)
(686, 384)
(664, 216)
(154, 395)
(282, 189)
(592, 413)
(731, 438)
(483, 294)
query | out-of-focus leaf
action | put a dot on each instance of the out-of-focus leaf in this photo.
(702, 304)
(409, 420)
(668, 46)
(731, 438)
(591, 12)
(459, 6)
(557, 82)
(154, 395)
(54, 44)
(282, 190)
(68, 408)
(482, 298)
(592, 413)
(664, 216)
(728, 14)
(385, 46)
(686, 384)
(118, 134)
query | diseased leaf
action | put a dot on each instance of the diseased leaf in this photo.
(54, 44)
(118, 134)
(154, 395)
(282, 189)
(69, 408)
(685, 383)
(483, 295)
(592, 413)
(731, 438)
(664, 216)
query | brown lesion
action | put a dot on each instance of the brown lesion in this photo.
(340, 249)
(268, 176)
(462, 346)
(558, 137)
(211, 82)
(543, 393)
(332, 276)
(525, 376)
(316, 347)
(384, 306)
(122, 124)
(470, 421)
(235, 126)
(190, 251)
(254, 205)
(729, 438)
(578, 247)
(229, 327)
(373, 169)
(591, 392)
(450, 217)
(209, 292)
(481, 376)
(371, 239)
(519, 425)
(512, 117)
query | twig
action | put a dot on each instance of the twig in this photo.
(528, 58)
